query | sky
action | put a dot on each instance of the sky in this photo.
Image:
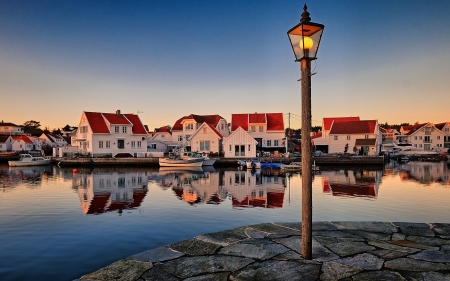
(385, 60)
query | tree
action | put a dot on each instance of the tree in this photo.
(346, 148)
(32, 128)
(66, 128)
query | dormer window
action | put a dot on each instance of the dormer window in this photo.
(189, 126)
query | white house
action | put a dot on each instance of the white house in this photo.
(111, 134)
(321, 140)
(424, 136)
(53, 140)
(186, 126)
(5, 143)
(362, 135)
(266, 128)
(7, 128)
(22, 143)
(239, 144)
(445, 128)
(206, 139)
(161, 140)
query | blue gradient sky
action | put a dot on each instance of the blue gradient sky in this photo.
(385, 60)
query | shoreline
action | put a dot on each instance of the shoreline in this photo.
(271, 251)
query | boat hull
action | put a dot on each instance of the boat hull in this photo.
(167, 162)
(33, 163)
(209, 162)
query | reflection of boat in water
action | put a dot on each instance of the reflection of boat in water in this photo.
(253, 163)
(294, 166)
(29, 160)
(187, 169)
(30, 172)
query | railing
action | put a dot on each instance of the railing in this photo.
(427, 141)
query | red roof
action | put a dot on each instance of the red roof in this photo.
(354, 127)
(138, 127)
(210, 119)
(239, 120)
(24, 138)
(257, 118)
(327, 122)
(116, 119)
(408, 130)
(317, 135)
(98, 124)
(163, 129)
(274, 121)
(9, 124)
(440, 126)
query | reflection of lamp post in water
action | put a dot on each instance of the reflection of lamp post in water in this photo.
(305, 39)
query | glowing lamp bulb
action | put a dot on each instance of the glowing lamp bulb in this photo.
(306, 43)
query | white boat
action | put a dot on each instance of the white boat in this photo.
(253, 163)
(294, 166)
(190, 155)
(409, 150)
(178, 162)
(29, 160)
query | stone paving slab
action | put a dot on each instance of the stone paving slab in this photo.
(346, 251)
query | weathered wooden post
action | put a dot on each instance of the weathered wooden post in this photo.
(305, 39)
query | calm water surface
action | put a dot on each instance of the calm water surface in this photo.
(56, 225)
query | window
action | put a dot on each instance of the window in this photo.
(252, 129)
(415, 145)
(438, 137)
(81, 145)
(84, 129)
(335, 137)
(100, 144)
(187, 137)
(204, 146)
(87, 144)
(116, 129)
(249, 147)
(180, 138)
(0, 146)
(204, 130)
(124, 130)
(366, 136)
(420, 137)
(221, 126)
(269, 143)
(133, 144)
(152, 146)
(261, 129)
(139, 143)
(275, 143)
(231, 148)
(446, 129)
(108, 144)
(239, 150)
(415, 137)
(348, 137)
(189, 126)
(420, 145)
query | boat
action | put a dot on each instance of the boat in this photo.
(29, 160)
(242, 163)
(253, 163)
(271, 165)
(190, 154)
(179, 162)
(294, 166)
(409, 150)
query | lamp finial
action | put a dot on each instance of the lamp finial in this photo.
(305, 15)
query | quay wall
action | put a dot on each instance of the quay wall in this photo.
(154, 161)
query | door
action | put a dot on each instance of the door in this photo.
(120, 144)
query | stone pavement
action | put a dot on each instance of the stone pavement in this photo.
(271, 251)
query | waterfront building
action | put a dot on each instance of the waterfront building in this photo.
(7, 128)
(445, 128)
(424, 136)
(206, 139)
(161, 140)
(266, 128)
(239, 144)
(111, 135)
(22, 143)
(186, 126)
(5, 143)
(53, 140)
(349, 133)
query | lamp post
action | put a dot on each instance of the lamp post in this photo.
(305, 39)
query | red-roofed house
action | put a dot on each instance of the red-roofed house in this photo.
(108, 134)
(5, 143)
(445, 128)
(161, 139)
(364, 135)
(266, 128)
(22, 143)
(53, 140)
(186, 126)
(424, 136)
(7, 128)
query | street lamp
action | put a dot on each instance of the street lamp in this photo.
(305, 39)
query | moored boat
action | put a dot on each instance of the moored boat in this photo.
(29, 160)
(178, 162)
(190, 155)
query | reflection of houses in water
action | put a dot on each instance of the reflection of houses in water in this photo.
(358, 183)
(249, 189)
(106, 192)
(425, 172)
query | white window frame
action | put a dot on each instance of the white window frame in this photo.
(335, 137)
(100, 144)
(269, 143)
(275, 143)
(108, 144)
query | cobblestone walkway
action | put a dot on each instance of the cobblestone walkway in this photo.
(270, 251)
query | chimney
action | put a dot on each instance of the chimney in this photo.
(118, 112)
